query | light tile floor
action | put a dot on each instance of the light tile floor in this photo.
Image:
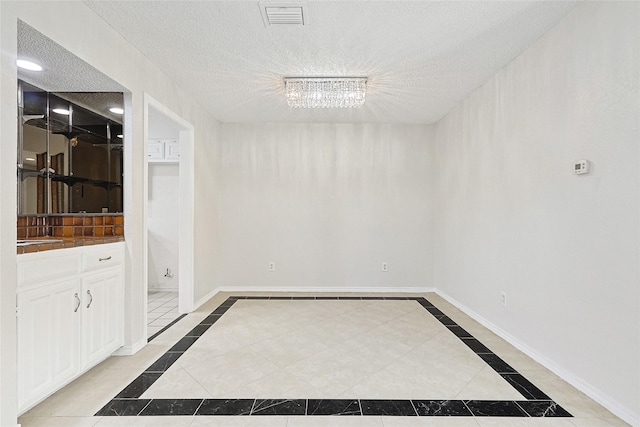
(162, 309)
(253, 349)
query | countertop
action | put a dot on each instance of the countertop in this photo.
(47, 243)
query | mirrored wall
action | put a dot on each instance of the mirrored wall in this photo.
(69, 151)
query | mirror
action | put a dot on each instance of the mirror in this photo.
(70, 153)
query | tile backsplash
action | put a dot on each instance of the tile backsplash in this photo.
(30, 227)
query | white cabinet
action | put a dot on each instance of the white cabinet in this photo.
(70, 316)
(163, 151)
(101, 325)
(48, 334)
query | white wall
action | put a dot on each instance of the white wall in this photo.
(328, 203)
(511, 216)
(163, 224)
(104, 49)
(163, 209)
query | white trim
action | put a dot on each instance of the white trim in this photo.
(320, 290)
(186, 183)
(129, 350)
(206, 298)
(591, 391)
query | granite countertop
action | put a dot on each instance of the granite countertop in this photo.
(46, 243)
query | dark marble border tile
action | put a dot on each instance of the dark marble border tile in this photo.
(279, 407)
(138, 386)
(123, 407)
(397, 408)
(441, 408)
(495, 408)
(184, 344)
(496, 363)
(459, 331)
(476, 346)
(525, 387)
(164, 362)
(333, 407)
(198, 330)
(171, 407)
(542, 408)
(211, 319)
(226, 407)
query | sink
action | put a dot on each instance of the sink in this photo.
(36, 241)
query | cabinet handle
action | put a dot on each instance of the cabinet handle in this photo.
(91, 300)
(105, 259)
(77, 302)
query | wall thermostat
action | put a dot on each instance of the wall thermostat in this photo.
(580, 167)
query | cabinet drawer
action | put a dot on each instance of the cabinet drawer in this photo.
(45, 266)
(104, 257)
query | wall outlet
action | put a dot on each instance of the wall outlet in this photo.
(503, 298)
(272, 266)
(385, 267)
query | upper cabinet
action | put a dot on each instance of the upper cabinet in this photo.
(69, 152)
(163, 151)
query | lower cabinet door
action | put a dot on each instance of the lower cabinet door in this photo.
(48, 338)
(102, 320)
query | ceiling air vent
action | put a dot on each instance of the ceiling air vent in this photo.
(283, 13)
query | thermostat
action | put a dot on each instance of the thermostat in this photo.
(580, 167)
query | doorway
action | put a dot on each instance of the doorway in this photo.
(169, 217)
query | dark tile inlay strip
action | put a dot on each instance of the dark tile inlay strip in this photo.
(398, 408)
(198, 330)
(138, 386)
(333, 407)
(171, 407)
(164, 362)
(495, 408)
(541, 408)
(184, 344)
(127, 402)
(525, 387)
(226, 407)
(210, 319)
(498, 365)
(476, 345)
(123, 407)
(279, 407)
(440, 408)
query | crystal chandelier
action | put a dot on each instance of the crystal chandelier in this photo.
(325, 92)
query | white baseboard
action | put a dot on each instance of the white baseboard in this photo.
(328, 289)
(163, 288)
(205, 298)
(591, 391)
(129, 350)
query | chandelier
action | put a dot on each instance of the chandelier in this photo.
(325, 92)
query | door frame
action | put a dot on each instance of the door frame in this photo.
(186, 203)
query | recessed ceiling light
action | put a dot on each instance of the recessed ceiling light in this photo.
(116, 110)
(61, 111)
(119, 135)
(28, 65)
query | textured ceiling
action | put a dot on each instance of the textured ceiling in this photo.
(421, 57)
(66, 74)
(63, 71)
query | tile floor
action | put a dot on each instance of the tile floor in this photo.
(384, 362)
(162, 309)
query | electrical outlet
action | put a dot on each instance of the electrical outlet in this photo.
(385, 267)
(503, 295)
(272, 266)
